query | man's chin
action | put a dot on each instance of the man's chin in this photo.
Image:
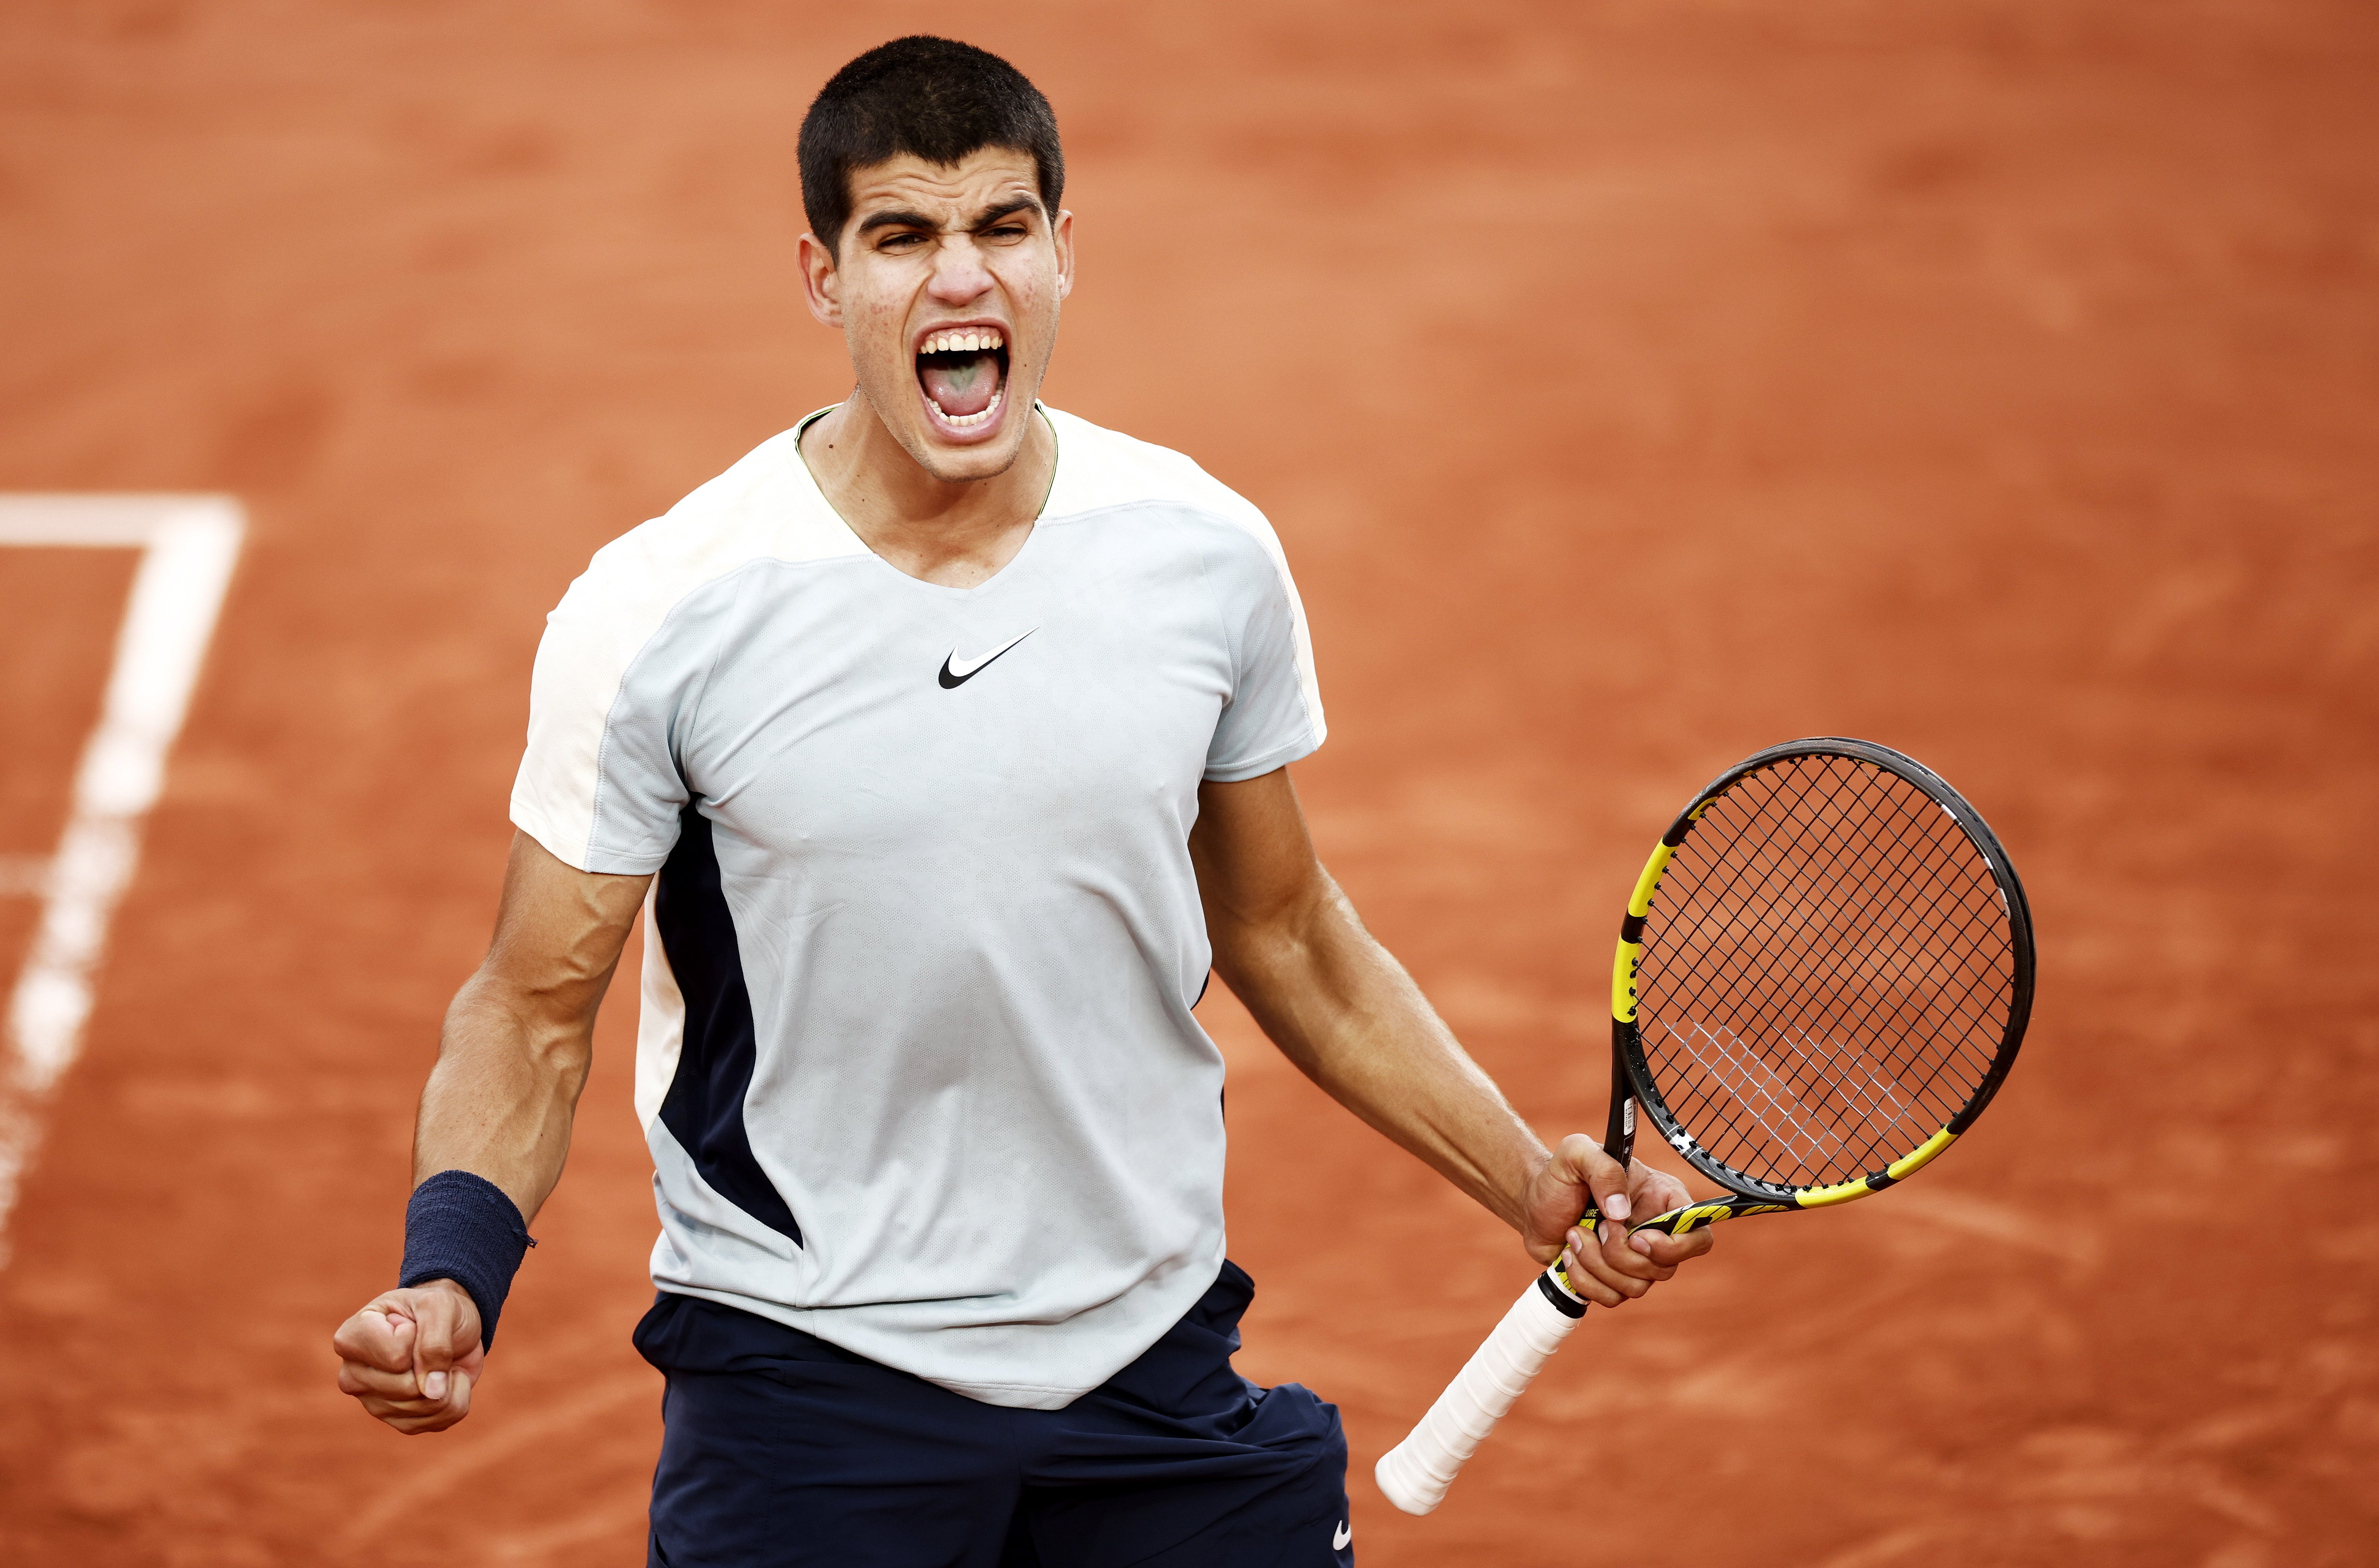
(956, 459)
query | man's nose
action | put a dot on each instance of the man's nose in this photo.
(958, 273)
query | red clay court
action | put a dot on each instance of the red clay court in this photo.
(1632, 386)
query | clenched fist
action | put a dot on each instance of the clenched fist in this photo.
(411, 1356)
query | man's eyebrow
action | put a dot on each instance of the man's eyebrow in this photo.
(1007, 208)
(904, 219)
(899, 220)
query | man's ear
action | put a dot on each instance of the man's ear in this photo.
(1062, 233)
(821, 284)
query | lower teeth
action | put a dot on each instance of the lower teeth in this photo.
(968, 421)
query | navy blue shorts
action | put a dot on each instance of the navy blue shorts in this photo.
(781, 1451)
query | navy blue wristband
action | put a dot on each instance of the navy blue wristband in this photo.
(461, 1228)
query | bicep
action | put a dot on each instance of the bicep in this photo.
(1285, 939)
(1253, 855)
(559, 930)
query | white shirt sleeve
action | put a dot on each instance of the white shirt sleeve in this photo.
(598, 785)
(1273, 716)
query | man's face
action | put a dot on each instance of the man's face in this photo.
(946, 292)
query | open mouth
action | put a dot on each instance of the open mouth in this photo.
(963, 373)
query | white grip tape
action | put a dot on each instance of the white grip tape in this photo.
(1415, 1474)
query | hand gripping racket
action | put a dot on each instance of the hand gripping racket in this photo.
(1822, 978)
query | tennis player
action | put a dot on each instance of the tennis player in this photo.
(942, 743)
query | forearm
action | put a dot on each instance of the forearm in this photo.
(1341, 1007)
(501, 1099)
(510, 1063)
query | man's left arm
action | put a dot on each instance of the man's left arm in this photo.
(1290, 946)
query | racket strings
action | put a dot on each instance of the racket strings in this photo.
(1833, 1080)
(1828, 973)
(1771, 1100)
(1897, 912)
(1817, 1075)
(1762, 984)
(1846, 1088)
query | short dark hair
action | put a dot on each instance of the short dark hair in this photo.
(931, 98)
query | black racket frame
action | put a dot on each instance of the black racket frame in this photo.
(1631, 1078)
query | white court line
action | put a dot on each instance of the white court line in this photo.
(188, 545)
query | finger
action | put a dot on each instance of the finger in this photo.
(407, 1336)
(1582, 1282)
(1618, 1248)
(416, 1424)
(1593, 1262)
(424, 1413)
(375, 1338)
(413, 1421)
(1671, 1251)
(1653, 1191)
(1645, 1246)
(1617, 1245)
(370, 1382)
(409, 1407)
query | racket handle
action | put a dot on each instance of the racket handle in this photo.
(1415, 1474)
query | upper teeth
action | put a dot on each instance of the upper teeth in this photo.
(971, 340)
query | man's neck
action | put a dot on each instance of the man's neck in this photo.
(958, 534)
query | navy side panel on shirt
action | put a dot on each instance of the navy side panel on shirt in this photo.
(704, 1109)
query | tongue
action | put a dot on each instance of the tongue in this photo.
(960, 383)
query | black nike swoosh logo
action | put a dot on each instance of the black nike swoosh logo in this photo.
(978, 664)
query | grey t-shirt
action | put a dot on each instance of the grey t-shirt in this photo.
(916, 1058)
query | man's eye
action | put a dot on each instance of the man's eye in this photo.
(1006, 231)
(900, 242)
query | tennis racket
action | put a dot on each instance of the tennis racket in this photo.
(1823, 977)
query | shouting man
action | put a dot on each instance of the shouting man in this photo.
(943, 742)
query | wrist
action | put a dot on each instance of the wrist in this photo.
(461, 1233)
(1525, 1194)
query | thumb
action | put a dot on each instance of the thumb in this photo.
(448, 1320)
(1602, 1176)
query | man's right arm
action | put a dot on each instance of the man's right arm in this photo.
(511, 1064)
